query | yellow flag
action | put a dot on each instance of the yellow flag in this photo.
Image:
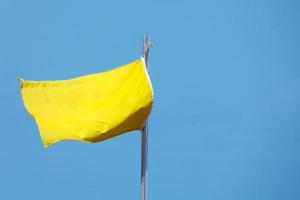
(90, 108)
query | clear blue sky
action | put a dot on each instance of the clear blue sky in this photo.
(226, 119)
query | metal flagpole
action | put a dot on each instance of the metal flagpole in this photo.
(144, 135)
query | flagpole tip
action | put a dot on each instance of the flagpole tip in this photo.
(147, 41)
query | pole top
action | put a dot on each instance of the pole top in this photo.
(147, 42)
(146, 46)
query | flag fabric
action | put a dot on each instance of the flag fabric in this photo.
(90, 108)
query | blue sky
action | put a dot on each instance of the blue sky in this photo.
(226, 119)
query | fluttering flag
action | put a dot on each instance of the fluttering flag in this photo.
(90, 108)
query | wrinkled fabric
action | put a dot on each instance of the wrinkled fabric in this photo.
(90, 108)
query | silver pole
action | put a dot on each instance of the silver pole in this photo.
(144, 135)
